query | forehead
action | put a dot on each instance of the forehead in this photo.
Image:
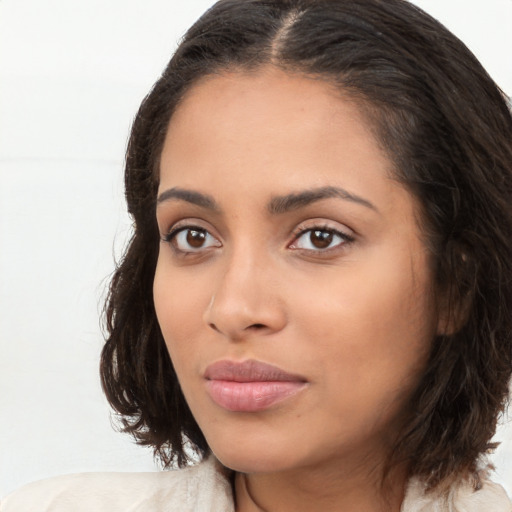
(265, 108)
(273, 132)
(266, 84)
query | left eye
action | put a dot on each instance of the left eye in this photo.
(319, 239)
(192, 239)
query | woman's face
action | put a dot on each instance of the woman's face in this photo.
(292, 288)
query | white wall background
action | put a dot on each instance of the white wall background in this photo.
(72, 74)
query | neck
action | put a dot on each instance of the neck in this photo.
(332, 489)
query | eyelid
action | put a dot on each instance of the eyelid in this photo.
(176, 225)
(188, 225)
(347, 235)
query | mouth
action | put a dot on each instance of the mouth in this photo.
(250, 386)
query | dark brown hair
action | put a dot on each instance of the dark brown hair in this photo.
(447, 128)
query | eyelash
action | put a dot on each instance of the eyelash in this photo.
(345, 238)
(171, 236)
(301, 231)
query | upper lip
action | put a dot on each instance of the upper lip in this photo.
(248, 371)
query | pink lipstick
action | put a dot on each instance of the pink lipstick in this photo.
(250, 386)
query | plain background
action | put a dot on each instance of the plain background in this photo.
(72, 74)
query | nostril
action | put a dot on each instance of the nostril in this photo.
(256, 326)
(252, 327)
(214, 327)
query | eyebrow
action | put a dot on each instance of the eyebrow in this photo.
(295, 201)
(277, 205)
(190, 196)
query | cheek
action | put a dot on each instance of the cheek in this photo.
(180, 301)
(371, 325)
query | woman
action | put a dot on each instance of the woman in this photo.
(321, 193)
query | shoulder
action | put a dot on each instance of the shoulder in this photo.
(202, 487)
(462, 497)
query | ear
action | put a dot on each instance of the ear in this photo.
(451, 318)
(453, 308)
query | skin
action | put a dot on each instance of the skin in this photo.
(355, 318)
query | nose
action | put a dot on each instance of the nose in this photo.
(247, 298)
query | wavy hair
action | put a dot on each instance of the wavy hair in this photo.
(448, 130)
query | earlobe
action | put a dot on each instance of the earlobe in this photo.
(446, 324)
(455, 298)
(453, 312)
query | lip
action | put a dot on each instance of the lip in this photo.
(250, 386)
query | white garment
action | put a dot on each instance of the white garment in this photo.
(201, 488)
(204, 488)
(490, 497)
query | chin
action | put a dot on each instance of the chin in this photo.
(249, 458)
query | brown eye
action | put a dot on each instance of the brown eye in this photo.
(196, 238)
(191, 239)
(321, 239)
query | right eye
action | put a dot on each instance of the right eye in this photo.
(189, 239)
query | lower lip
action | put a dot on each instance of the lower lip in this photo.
(251, 396)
